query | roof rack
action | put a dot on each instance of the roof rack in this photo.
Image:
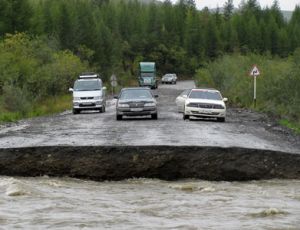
(205, 88)
(89, 75)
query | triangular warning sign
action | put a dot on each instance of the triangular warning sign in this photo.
(255, 71)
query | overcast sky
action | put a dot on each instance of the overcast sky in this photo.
(284, 4)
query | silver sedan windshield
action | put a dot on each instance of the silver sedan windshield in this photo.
(135, 94)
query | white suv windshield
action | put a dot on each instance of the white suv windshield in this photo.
(203, 94)
(87, 85)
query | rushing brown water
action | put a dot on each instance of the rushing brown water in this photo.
(55, 203)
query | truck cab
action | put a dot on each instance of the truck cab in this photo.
(147, 75)
(88, 93)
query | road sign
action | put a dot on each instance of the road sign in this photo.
(113, 78)
(255, 71)
(113, 82)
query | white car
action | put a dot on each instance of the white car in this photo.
(169, 78)
(88, 93)
(180, 100)
(204, 103)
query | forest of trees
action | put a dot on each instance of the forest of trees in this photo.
(115, 35)
(112, 36)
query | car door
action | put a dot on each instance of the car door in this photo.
(180, 100)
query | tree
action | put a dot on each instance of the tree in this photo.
(294, 29)
(15, 16)
(65, 29)
(212, 40)
(4, 17)
(253, 34)
(228, 9)
(277, 14)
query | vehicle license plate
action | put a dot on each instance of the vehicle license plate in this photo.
(147, 81)
(136, 109)
(86, 103)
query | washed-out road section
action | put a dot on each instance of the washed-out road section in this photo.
(94, 145)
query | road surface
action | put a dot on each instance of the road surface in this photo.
(242, 128)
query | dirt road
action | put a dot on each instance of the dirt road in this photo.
(91, 145)
(243, 128)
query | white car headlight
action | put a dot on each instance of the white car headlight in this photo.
(76, 98)
(149, 104)
(123, 105)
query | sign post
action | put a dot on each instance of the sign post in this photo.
(113, 82)
(254, 72)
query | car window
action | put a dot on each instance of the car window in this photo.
(185, 92)
(205, 94)
(87, 85)
(135, 94)
(146, 75)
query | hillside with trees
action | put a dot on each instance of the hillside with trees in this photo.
(110, 36)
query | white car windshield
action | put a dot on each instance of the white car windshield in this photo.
(135, 94)
(185, 92)
(87, 85)
(205, 94)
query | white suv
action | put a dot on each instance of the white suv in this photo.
(205, 103)
(88, 93)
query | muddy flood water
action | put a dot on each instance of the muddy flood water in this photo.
(65, 203)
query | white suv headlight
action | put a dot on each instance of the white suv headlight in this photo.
(76, 98)
(98, 98)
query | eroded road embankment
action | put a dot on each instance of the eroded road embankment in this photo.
(163, 162)
(248, 145)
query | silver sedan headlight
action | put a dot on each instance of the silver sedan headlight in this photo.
(152, 104)
(123, 105)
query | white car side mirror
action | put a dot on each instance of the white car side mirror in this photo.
(104, 88)
(225, 99)
(184, 96)
(71, 90)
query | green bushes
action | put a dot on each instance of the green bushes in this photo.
(31, 71)
(15, 100)
(277, 87)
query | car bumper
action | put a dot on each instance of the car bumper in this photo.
(200, 112)
(88, 105)
(136, 111)
(167, 81)
(150, 85)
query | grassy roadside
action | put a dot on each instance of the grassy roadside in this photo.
(48, 106)
(278, 85)
(291, 125)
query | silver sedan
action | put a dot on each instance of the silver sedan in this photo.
(136, 102)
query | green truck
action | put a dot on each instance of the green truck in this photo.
(147, 75)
